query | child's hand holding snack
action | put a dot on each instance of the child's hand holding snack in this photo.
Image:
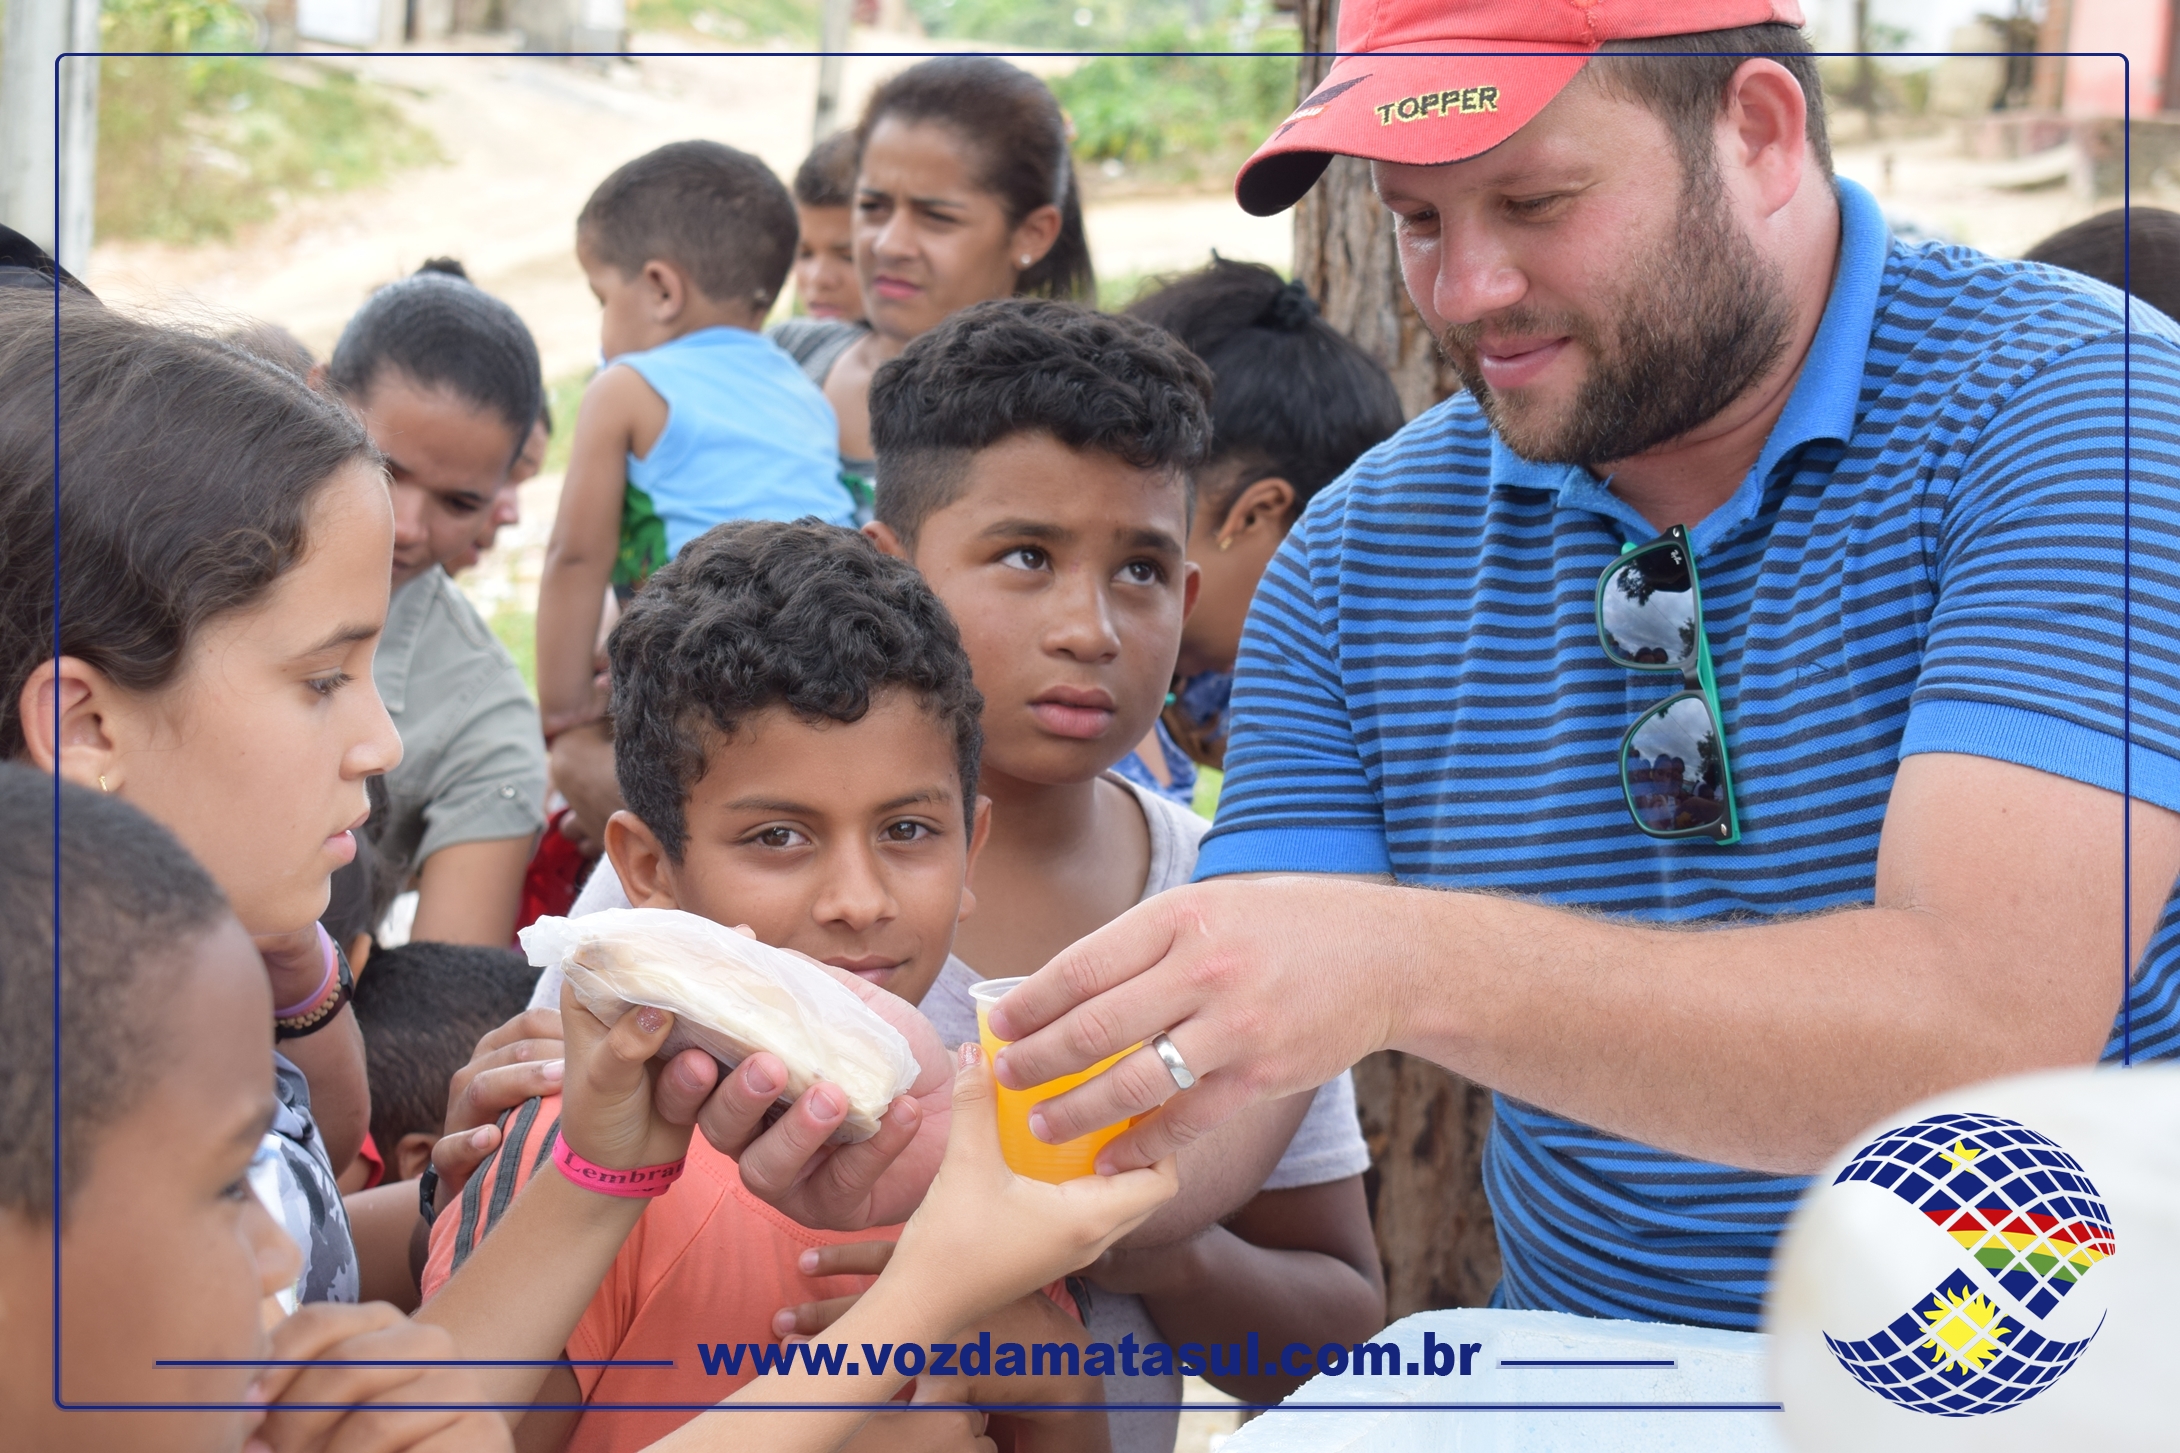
(792, 1166)
(608, 1112)
(982, 1238)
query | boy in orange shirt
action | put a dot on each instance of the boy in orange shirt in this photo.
(797, 738)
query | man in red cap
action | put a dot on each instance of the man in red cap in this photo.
(1725, 699)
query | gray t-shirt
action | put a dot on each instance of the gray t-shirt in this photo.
(472, 753)
(816, 344)
(1327, 1145)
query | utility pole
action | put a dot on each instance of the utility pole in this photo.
(833, 18)
(1864, 94)
(37, 32)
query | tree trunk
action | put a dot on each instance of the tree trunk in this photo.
(1425, 1127)
(1343, 250)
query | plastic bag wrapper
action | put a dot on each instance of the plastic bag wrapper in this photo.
(731, 996)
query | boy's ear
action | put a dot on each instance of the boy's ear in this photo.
(1192, 585)
(640, 862)
(411, 1153)
(879, 533)
(666, 290)
(87, 749)
(1266, 502)
(980, 828)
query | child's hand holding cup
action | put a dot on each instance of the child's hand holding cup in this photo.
(986, 1235)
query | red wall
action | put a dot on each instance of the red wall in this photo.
(2097, 85)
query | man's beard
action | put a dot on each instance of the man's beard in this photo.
(1700, 319)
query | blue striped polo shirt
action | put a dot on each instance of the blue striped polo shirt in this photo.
(1926, 557)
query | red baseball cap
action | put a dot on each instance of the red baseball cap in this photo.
(1396, 95)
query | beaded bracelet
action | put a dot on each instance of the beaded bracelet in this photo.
(645, 1181)
(326, 949)
(325, 1005)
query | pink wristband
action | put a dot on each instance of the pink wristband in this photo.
(644, 1181)
(325, 985)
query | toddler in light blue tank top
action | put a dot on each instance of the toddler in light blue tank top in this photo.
(747, 437)
(696, 419)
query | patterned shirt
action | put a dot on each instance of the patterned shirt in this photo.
(305, 1197)
(1931, 554)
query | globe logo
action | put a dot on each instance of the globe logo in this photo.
(2030, 1226)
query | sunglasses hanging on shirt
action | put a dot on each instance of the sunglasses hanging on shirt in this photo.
(1673, 768)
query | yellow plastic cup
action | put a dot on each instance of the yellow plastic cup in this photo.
(1025, 1154)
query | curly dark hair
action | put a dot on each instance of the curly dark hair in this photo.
(1031, 366)
(755, 614)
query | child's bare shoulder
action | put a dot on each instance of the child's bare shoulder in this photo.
(620, 404)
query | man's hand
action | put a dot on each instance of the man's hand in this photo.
(876, 1182)
(305, 1412)
(1993, 947)
(1266, 987)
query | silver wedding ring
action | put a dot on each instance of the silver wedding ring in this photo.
(1183, 1077)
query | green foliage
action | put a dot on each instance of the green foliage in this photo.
(565, 396)
(517, 631)
(193, 145)
(1183, 116)
(1068, 24)
(1208, 782)
(176, 25)
(733, 22)
(1117, 291)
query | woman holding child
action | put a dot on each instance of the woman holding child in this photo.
(965, 192)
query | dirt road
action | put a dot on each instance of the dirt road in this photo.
(527, 140)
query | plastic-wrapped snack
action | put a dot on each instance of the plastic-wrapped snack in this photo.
(731, 996)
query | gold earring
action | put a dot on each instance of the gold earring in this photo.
(102, 783)
(1226, 543)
